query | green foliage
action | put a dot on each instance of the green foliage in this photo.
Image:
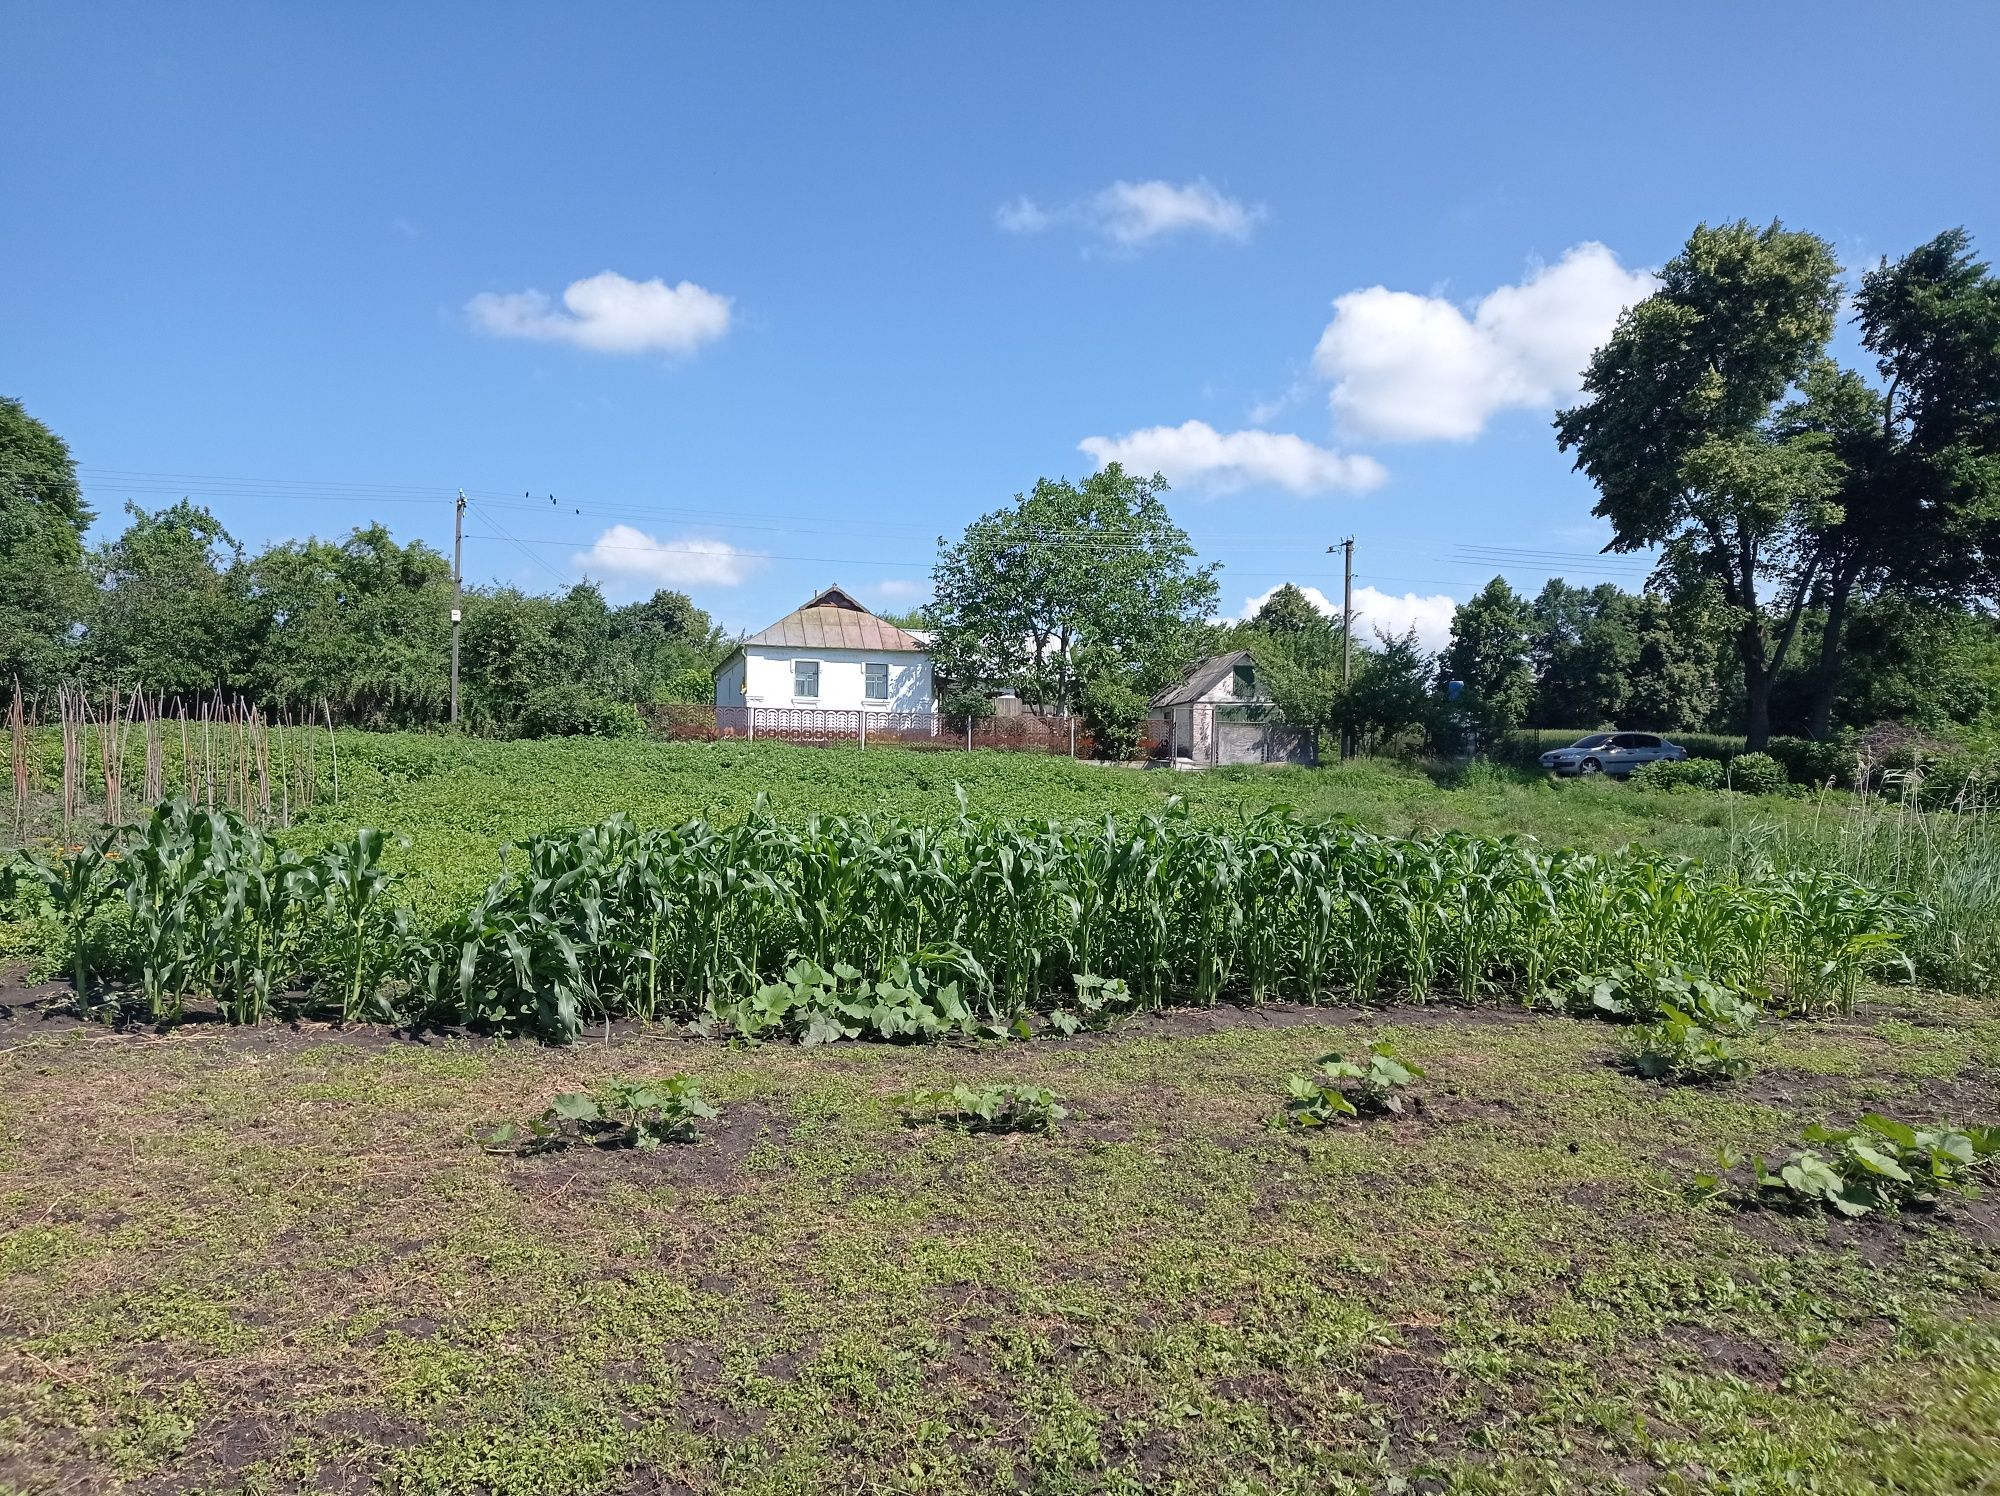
(76, 882)
(1804, 761)
(1756, 774)
(572, 710)
(1348, 1087)
(1114, 710)
(850, 927)
(1004, 1108)
(44, 589)
(1878, 1165)
(1099, 1002)
(1682, 774)
(1097, 565)
(1488, 654)
(1675, 1047)
(173, 611)
(818, 1005)
(1651, 991)
(621, 1114)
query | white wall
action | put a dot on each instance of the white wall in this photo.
(766, 679)
(729, 683)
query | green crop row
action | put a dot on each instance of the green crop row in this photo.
(848, 926)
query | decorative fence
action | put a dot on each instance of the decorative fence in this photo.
(1064, 736)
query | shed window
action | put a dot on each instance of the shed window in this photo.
(875, 680)
(1244, 686)
(805, 680)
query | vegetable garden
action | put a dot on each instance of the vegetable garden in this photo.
(854, 926)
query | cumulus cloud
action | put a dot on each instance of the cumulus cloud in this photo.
(627, 554)
(1195, 455)
(1406, 367)
(900, 589)
(607, 313)
(1377, 612)
(1132, 215)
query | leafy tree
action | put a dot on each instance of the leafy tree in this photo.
(1582, 646)
(1288, 611)
(1677, 653)
(508, 651)
(173, 612)
(1682, 436)
(1098, 564)
(1919, 510)
(363, 625)
(43, 585)
(1391, 696)
(1489, 654)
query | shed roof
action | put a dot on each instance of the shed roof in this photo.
(1205, 677)
(834, 620)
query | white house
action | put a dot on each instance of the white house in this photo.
(831, 655)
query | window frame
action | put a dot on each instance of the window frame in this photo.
(868, 666)
(818, 678)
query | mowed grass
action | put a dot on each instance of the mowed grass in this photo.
(460, 800)
(267, 1260)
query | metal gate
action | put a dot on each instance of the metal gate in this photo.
(1263, 743)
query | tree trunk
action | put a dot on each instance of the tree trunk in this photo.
(1758, 677)
(1819, 723)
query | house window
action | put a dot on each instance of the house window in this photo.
(875, 680)
(1244, 686)
(805, 680)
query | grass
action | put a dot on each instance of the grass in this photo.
(274, 1261)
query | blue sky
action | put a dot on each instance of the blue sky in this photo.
(771, 297)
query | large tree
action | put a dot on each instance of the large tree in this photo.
(1919, 504)
(173, 612)
(1489, 657)
(1096, 565)
(43, 585)
(1683, 436)
(363, 625)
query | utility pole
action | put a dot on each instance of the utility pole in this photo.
(457, 592)
(1346, 636)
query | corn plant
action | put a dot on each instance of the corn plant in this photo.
(367, 935)
(1347, 1088)
(1004, 1108)
(77, 882)
(1675, 1047)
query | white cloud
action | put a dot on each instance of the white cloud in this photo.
(1022, 216)
(1378, 612)
(1195, 455)
(1418, 368)
(1131, 215)
(607, 313)
(899, 589)
(627, 554)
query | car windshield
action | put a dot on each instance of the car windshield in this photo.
(1595, 740)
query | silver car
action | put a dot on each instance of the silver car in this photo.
(1613, 753)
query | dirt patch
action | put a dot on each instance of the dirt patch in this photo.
(713, 1164)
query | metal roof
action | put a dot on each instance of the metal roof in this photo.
(1205, 677)
(834, 620)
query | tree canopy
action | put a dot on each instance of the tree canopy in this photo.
(1068, 567)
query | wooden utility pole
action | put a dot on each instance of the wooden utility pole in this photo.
(457, 592)
(1346, 636)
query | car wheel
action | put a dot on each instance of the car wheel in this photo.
(1590, 766)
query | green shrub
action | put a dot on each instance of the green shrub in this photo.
(575, 711)
(1878, 1165)
(622, 1114)
(986, 1109)
(1685, 774)
(1647, 991)
(1806, 761)
(1347, 1088)
(694, 686)
(1115, 714)
(1756, 774)
(1676, 1048)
